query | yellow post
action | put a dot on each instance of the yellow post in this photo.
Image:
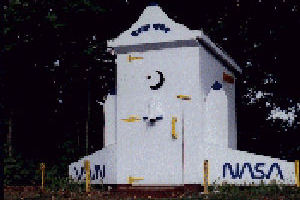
(87, 176)
(42, 168)
(297, 177)
(174, 120)
(205, 176)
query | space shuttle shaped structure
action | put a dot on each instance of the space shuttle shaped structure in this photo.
(174, 107)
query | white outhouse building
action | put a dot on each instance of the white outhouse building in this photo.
(173, 108)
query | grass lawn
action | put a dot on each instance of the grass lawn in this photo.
(226, 192)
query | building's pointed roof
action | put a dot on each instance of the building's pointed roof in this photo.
(154, 26)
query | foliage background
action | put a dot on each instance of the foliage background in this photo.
(54, 62)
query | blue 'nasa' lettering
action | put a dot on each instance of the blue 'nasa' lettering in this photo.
(237, 173)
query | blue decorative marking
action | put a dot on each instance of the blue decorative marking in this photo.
(146, 27)
(237, 170)
(156, 26)
(153, 4)
(260, 171)
(216, 86)
(262, 175)
(94, 173)
(243, 169)
(159, 118)
(167, 29)
(134, 33)
(81, 173)
(271, 169)
(233, 175)
(76, 171)
(97, 168)
(103, 171)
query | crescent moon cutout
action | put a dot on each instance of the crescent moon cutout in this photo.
(160, 83)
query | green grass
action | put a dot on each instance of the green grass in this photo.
(64, 188)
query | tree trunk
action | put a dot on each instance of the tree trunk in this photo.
(1, 163)
(87, 137)
(9, 136)
(88, 116)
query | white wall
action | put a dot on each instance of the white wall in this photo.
(110, 119)
(111, 163)
(211, 70)
(216, 120)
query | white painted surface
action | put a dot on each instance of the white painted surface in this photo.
(216, 118)
(211, 70)
(152, 15)
(110, 120)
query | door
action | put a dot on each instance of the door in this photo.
(147, 149)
